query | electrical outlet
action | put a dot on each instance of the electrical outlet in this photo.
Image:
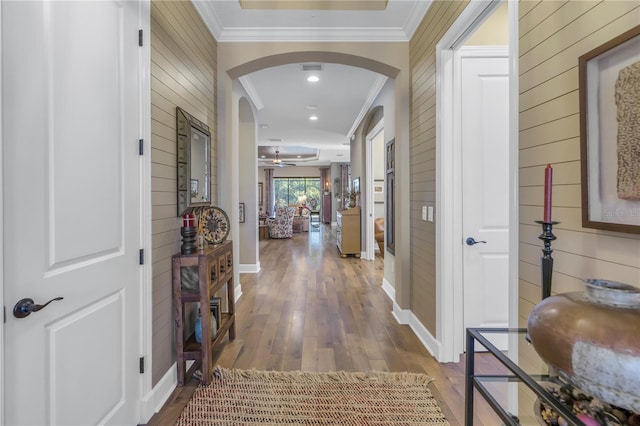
(430, 214)
(424, 213)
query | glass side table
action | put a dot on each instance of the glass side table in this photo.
(516, 387)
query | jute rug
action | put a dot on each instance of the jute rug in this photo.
(243, 397)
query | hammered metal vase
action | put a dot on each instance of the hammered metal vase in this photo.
(592, 339)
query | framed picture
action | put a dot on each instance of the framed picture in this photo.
(356, 185)
(241, 212)
(214, 305)
(378, 191)
(609, 89)
(260, 196)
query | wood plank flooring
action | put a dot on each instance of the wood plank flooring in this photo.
(309, 309)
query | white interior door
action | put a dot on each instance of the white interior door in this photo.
(374, 161)
(484, 110)
(71, 121)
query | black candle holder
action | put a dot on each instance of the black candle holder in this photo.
(188, 239)
(546, 261)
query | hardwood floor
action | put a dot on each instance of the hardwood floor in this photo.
(309, 309)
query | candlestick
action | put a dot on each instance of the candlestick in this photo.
(548, 178)
(546, 261)
(189, 245)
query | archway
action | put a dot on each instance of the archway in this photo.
(239, 59)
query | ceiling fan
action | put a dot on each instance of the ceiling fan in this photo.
(277, 161)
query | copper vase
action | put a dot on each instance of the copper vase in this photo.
(592, 339)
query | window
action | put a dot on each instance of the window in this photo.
(287, 191)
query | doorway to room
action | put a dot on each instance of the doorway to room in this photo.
(476, 194)
(374, 163)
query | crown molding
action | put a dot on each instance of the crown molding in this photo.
(210, 18)
(283, 34)
(373, 94)
(246, 82)
(420, 9)
(318, 34)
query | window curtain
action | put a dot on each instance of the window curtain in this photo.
(268, 179)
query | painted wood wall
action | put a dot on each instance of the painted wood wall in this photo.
(553, 34)
(422, 146)
(183, 73)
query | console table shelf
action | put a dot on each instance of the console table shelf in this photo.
(516, 390)
(214, 267)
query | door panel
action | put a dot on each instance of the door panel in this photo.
(485, 179)
(107, 345)
(72, 210)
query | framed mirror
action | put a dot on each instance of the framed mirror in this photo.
(194, 158)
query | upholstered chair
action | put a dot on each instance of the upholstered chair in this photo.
(281, 226)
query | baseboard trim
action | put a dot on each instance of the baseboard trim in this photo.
(249, 268)
(406, 316)
(428, 341)
(389, 289)
(154, 400)
(237, 292)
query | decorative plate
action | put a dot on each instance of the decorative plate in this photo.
(215, 225)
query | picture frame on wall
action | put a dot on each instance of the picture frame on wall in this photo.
(609, 89)
(241, 213)
(378, 191)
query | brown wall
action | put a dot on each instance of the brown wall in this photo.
(183, 73)
(552, 36)
(422, 154)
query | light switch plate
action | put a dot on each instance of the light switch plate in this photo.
(430, 214)
(424, 213)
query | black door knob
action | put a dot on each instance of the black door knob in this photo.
(471, 241)
(24, 307)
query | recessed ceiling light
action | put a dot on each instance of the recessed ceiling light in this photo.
(299, 156)
(313, 79)
(339, 155)
(263, 156)
(312, 107)
(264, 126)
(313, 117)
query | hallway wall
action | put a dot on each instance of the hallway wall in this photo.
(552, 36)
(183, 73)
(422, 154)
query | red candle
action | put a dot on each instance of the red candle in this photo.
(188, 220)
(548, 177)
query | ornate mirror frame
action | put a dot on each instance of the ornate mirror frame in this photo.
(193, 161)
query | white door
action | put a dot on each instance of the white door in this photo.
(485, 179)
(70, 86)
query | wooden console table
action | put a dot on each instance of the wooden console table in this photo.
(214, 267)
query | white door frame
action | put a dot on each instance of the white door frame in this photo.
(449, 255)
(2, 301)
(370, 252)
(146, 271)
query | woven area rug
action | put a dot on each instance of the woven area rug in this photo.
(243, 397)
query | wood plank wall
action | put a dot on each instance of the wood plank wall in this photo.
(422, 146)
(183, 73)
(553, 34)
